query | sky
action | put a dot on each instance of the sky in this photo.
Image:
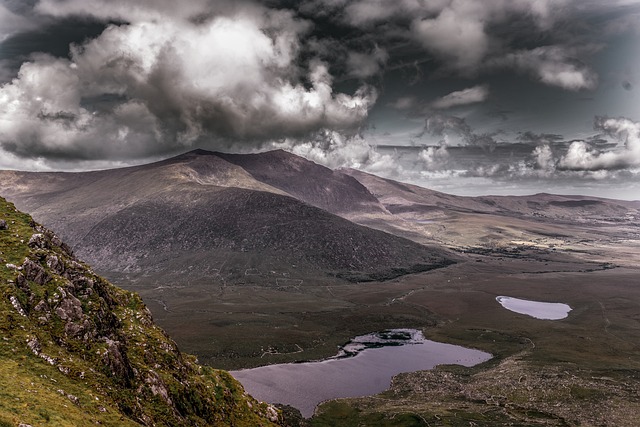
(464, 96)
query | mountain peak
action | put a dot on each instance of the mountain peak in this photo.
(194, 153)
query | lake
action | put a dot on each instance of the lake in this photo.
(537, 309)
(363, 367)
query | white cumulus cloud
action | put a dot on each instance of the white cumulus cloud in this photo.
(467, 96)
(459, 38)
(581, 156)
(335, 150)
(553, 66)
(155, 85)
(434, 158)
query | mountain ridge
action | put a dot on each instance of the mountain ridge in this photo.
(216, 195)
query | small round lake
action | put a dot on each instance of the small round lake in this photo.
(537, 309)
(363, 367)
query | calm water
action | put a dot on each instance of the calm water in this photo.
(363, 367)
(539, 310)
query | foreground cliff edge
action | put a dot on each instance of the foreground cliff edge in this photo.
(76, 350)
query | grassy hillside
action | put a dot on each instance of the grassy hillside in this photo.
(75, 350)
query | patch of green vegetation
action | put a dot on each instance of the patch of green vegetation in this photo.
(585, 393)
(343, 414)
(338, 414)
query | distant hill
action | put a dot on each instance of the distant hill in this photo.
(76, 350)
(401, 198)
(490, 222)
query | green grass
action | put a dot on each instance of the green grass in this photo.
(343, 414)
(337, 414)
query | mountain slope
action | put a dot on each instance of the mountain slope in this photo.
(76, 350)
(307, 181)
(148, 235)
(89, 197)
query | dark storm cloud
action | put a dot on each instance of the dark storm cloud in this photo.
(53, 37)
(465, 36)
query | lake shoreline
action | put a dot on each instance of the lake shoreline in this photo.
(363, 367)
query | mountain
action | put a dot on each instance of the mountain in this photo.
(76, 350)
(201, 209)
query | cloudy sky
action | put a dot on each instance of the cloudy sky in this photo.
(464, 96)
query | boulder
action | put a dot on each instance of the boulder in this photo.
(70, 308)
(116, 361)
(34, 272)
(38, 241)
(54, 263)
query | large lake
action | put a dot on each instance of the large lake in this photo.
(537, 309)
(363, 367)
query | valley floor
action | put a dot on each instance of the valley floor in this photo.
(583, 370)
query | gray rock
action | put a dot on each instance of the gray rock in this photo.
(34, 272)
(78, 330)
(3, 224)
(41, 307)
(115, 359)
(158, 387)
(21, 283)
(38, 241)
(54, 263)
(74, 399)
(70, 308)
